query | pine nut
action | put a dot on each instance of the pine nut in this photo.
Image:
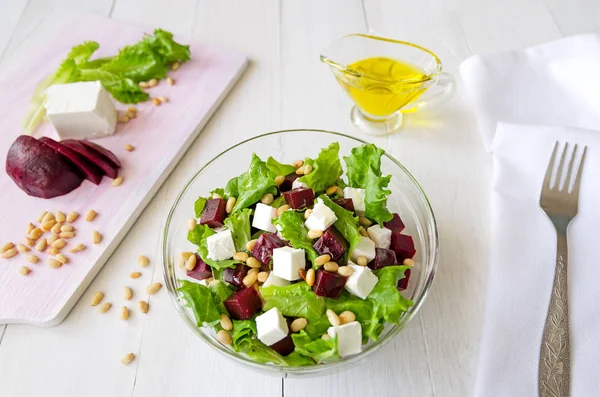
(47, 218)
(117, 181)
(314, 234)
(333, 318)
(213, 282)
(408, 262)
(124, 314)
(310, 277)
(30, 227)
(156, 102)
(250, 279)
(302, 274)
(22, 248)
(267, 199)
(298, 163)
(40, 246)
(41, 217)
(67, 235)
(191, 224)
(175, 66)
(144, 307)
(363, 232)
(279, 179)
(60, 217)
(32, 258)
(190, 264)
(170, 81)
(331, 267)
(240, 256)
(230, 204)
(135, 275)
(129, 148)
(29, 242)
(66, 228)
(143, 261)
(323, 259)
(216, 196)
(250, 244)
(300, 171)
(253, 262)
(183, 257)
(307, 213)
(96, 237)
(362, 261)
(298, 324)
(6, 247)
(61, 258)
(263, 276)
(72, 216)
(90, 215)
(24, 270)
(340, 192)
(282, 209)
(127, 293)
(144, 84)
(104, 307)
(226, 323)
(153, 82)
(224, 337)
(78, 248)
(347, 317)
(325, 337)
(56, 228)
(59, 243)
(132, 109)
(153, 288)
(52, 238)
(307, 169)
(97, 298)
(53, 251)
(163, 99)
(345, 271)
(364, 221)
(9, 253)
(35, 233)
(46, 226)
(331, 191)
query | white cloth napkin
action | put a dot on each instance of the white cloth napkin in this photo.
(544, 85)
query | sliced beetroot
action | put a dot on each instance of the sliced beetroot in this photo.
(395, 225)
(243, 303)
(39, 170)
(89, 169)
(103, 151)
(403, 282)
(214, 213)
(329, 284)
(331, 242)
(288, 182)
(403, 245)
(202, 271)
(299, 198)
(263, 249)
(99, 160)
(284, 346)
(345, 203)
(383, 257)
(236, 276)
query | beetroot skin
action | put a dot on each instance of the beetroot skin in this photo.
(91, 171)
(106, 165)
(39, 170)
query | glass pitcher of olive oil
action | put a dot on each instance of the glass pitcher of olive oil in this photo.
(385, 78)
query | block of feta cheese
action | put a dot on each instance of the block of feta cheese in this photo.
(296, 184)
(220, 246)
(349, 338)
(287, 262)
(263, 214)
(358, 199)
(321, 217)
(271, 327)
(81, 110)
(366, 248)
(274, 280)
(381, 236)
(361, 282)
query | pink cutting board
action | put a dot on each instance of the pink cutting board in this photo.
(160, 135)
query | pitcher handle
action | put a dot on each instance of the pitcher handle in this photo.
(441, 90)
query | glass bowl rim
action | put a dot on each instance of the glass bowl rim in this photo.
(274, 368)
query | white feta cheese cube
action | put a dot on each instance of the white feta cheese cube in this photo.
(287, 262)
(263, 214)
(365, 248)
(321, 217)
(361, 282)
(358, 199)
(349, 338)
(276, 281)
(271, 327)
(81, 110)
(381, 236)
(296, 184)
(220, 246)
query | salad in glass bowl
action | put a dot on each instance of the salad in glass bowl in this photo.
(299, 263)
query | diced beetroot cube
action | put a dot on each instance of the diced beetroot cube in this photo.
(243, 303)
(332, 243)
(284, 346)
(403, 283)
(299, 198)
(395, 225)
(345, 203)
(214, 213)
(403, 245)
(202, 271)
(236, 276)
(263, 249)
(329, 284)
(288, 182)
(383, 257)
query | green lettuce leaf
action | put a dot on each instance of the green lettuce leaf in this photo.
(243, 331)
(364, 171)
(293, 230)
(123, 89)
(279, 169)
(199, 206)
(138, 63)
(317, 349)
(295, 300)
(81, 53)
(239, 224)
(327, 168)
(198, 237)
(278, 202)
(388, 302)
(200, 299)
(249, 187)
(162, 44)
(220, 292)
(346, 224)
(362, 309)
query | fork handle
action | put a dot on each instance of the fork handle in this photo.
(555, 352)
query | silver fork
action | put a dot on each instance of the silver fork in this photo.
(560, 203)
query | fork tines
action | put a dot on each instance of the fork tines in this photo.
(560, 184)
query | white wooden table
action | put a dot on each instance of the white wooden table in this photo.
(287, 87)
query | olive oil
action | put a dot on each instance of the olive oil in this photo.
(383, 85)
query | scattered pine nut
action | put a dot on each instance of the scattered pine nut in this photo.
(156, 101)
(143, 306)
(30, 227)
(250, 244)
(61, 258)
(170, 81)
(163, 99)
(127, 293)
(302, 274)
(226, 323)
(35, 233)
(60, 217)
(364, 221)
(299, 324)
(9, 253)
(282, 209)
(250, 279)
(56, 228)
(78, 248)
(153, 83)
(41, 217)
(190, 264)
(22, 248)
(333, 318)
(72, 216)
(216, 196)
(323, 259)
(240, 256)
(144, 84)
(192, 224)
(123, 119)
(325, 337)
(307, 169)
(143, 261)
(131, 115)
(213, 282)
(363, 232)
(24, 270)
(53, 251)
(96, 237)
(48, 217)
(97, 298)
(135, 275)
(298, 163)
(253, 262)
(129, 148)
(300, 171)
(175, 66)
(132, 109)
(67, 235)
(310, 277)
(224, 337)
(408, 262)
(117, 181)
(66, 228)
(47, 226)
(90, 215)
(279, 179)
(347, 317)
(52, 238)
(267, 198)
(230, 204)
(262, 276)
(153, 288)
(104, 307)
(124, 315)
(29, 242)
(32, 258)
(314, 234)
(6, 247)
(183, 257)
(331, 191)
(40, 246)
(345, 271)
(307, 213)
(331, 267)
(60, 243)
(362, 261)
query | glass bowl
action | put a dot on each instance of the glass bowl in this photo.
(407, 198)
